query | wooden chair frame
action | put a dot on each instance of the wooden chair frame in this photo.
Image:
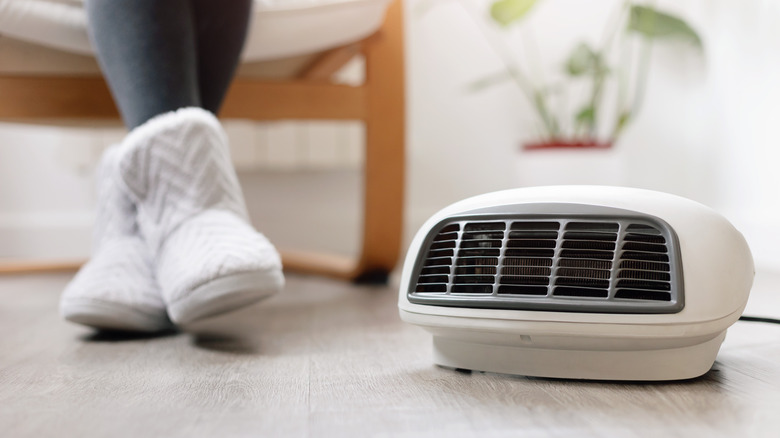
(378, 102)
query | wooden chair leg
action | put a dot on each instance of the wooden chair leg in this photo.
(384, 171)
(385, 152)
(37, 266)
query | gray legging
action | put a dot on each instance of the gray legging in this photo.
(161, 55)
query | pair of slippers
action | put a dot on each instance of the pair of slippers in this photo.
(172, 240)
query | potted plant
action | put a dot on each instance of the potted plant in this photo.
(595, 122)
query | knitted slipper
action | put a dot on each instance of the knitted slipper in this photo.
(116, 289)
(191, 212)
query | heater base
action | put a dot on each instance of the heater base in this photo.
(641, 365)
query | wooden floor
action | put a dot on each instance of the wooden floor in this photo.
(328, 359)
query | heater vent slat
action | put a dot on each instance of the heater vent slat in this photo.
(472, 289)
(484, 226)
(582, 282)
(436, 253)
(584, 273)
(429, 288)
(644, 266)
(530, 243)
(643, 229)
(428, 279)
(531, 234)
(648, 238)
(589, 244)
(585, 264)
(527, 261)
(483, 235)
(438, 261)
(644, 275)
(639, 294)
(590, 235)
(475, 270)
(446, 236)
(644, 256)
(515, 289)
(580, 292)
(528, 280)
(435, 270)
(529, 252)
(587, 254)
(518, 270)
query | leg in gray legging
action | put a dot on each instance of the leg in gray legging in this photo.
(158, 56)
(220, 29)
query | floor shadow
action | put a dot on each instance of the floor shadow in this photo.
(711, 377)
(126, 336)
(226, 343)
(708, 379)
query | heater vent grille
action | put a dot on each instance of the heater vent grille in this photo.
(588, 264)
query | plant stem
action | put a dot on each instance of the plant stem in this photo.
(533, 94)
(531, 48)
(600, 74)
(643, 74)
(622, 95)
(643, 70)
(595, 98)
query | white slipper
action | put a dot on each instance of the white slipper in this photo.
(116, 289)
(177, 169)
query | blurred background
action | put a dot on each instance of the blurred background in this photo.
(706, 129)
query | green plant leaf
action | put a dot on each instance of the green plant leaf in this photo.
(652, 23)
(581, 60)
(550, 122)
(586, 115)
(622, 121)
(584, 60)
(506, 12)
(490, 80)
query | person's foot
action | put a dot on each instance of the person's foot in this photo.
(116, 289)
(177, 169)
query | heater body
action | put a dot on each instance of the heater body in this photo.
(581, 282)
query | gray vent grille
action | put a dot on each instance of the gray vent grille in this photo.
(593, 264)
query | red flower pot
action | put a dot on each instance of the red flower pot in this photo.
(557, 143)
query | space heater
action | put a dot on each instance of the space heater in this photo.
(578, 282)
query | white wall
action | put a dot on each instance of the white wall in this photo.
(706, 130)
(46, 195)
(746, 116)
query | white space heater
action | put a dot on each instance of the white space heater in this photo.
(579, 282)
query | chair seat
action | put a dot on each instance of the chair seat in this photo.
(279, 28)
